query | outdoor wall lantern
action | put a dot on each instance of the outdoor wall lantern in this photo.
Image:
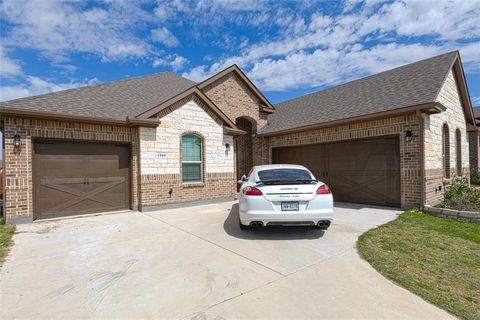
(17, 143)
(227, 147)
(408, 136)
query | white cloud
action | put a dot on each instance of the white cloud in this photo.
(470, 54)
(36, 85)
(162, 11)
(295, 45)
(58, 29)
(8, 66)
(176, 62)
(197, 74)
(368, 37)
(476, 101)
(164, 36)
(448, 20)
(330, 66)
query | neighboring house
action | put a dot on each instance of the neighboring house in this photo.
(474, 143)
(395, 138)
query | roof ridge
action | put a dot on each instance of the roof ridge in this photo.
(369, 76)
(97, 85)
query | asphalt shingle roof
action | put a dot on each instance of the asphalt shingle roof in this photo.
(476, 112)
(116, 99)
(408, 85)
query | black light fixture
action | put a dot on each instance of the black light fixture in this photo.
(408, 136)
(227, 147)
(17, 143)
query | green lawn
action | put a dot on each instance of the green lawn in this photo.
(435, 258)
(6, 233)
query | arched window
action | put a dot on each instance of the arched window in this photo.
(446, 151)
(458, 145)
(192, 158)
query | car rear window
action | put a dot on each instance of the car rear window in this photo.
(284, 174)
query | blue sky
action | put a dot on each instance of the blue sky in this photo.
(287, 48)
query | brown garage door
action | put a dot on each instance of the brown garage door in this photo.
(80, 178)
(361, 171)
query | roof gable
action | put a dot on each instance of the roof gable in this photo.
(235, 69)
(462, 88)
(193, 91)
(412, 86)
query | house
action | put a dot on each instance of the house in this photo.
(395, 138)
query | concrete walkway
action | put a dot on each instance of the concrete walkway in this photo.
(196, 263)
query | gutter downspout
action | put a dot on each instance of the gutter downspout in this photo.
(422, 160)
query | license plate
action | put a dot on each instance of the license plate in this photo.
(290, 206)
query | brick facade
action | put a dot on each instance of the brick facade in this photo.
(244, 146)
(236, 100)
(18, 167)
(410, 152)
(160, 189)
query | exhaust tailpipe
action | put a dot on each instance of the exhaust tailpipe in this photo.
(324, 224)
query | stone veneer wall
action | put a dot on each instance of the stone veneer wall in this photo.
(18, 167)
(161, 178)
(236, 100)
(410, 152)
(454, 117)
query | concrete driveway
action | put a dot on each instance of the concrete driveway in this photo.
(196, 263)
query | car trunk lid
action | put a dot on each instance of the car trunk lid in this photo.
(289, 192)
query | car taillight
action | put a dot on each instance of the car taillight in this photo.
(252, 191)
(323, 189)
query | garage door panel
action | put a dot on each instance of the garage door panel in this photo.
(362, 171)
(352, 186)
(363, 155)
(312, 157)
(79, 178)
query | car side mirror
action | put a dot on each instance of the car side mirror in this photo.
(243, 179)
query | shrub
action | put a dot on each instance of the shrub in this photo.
(475, 178)
(461, 196)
